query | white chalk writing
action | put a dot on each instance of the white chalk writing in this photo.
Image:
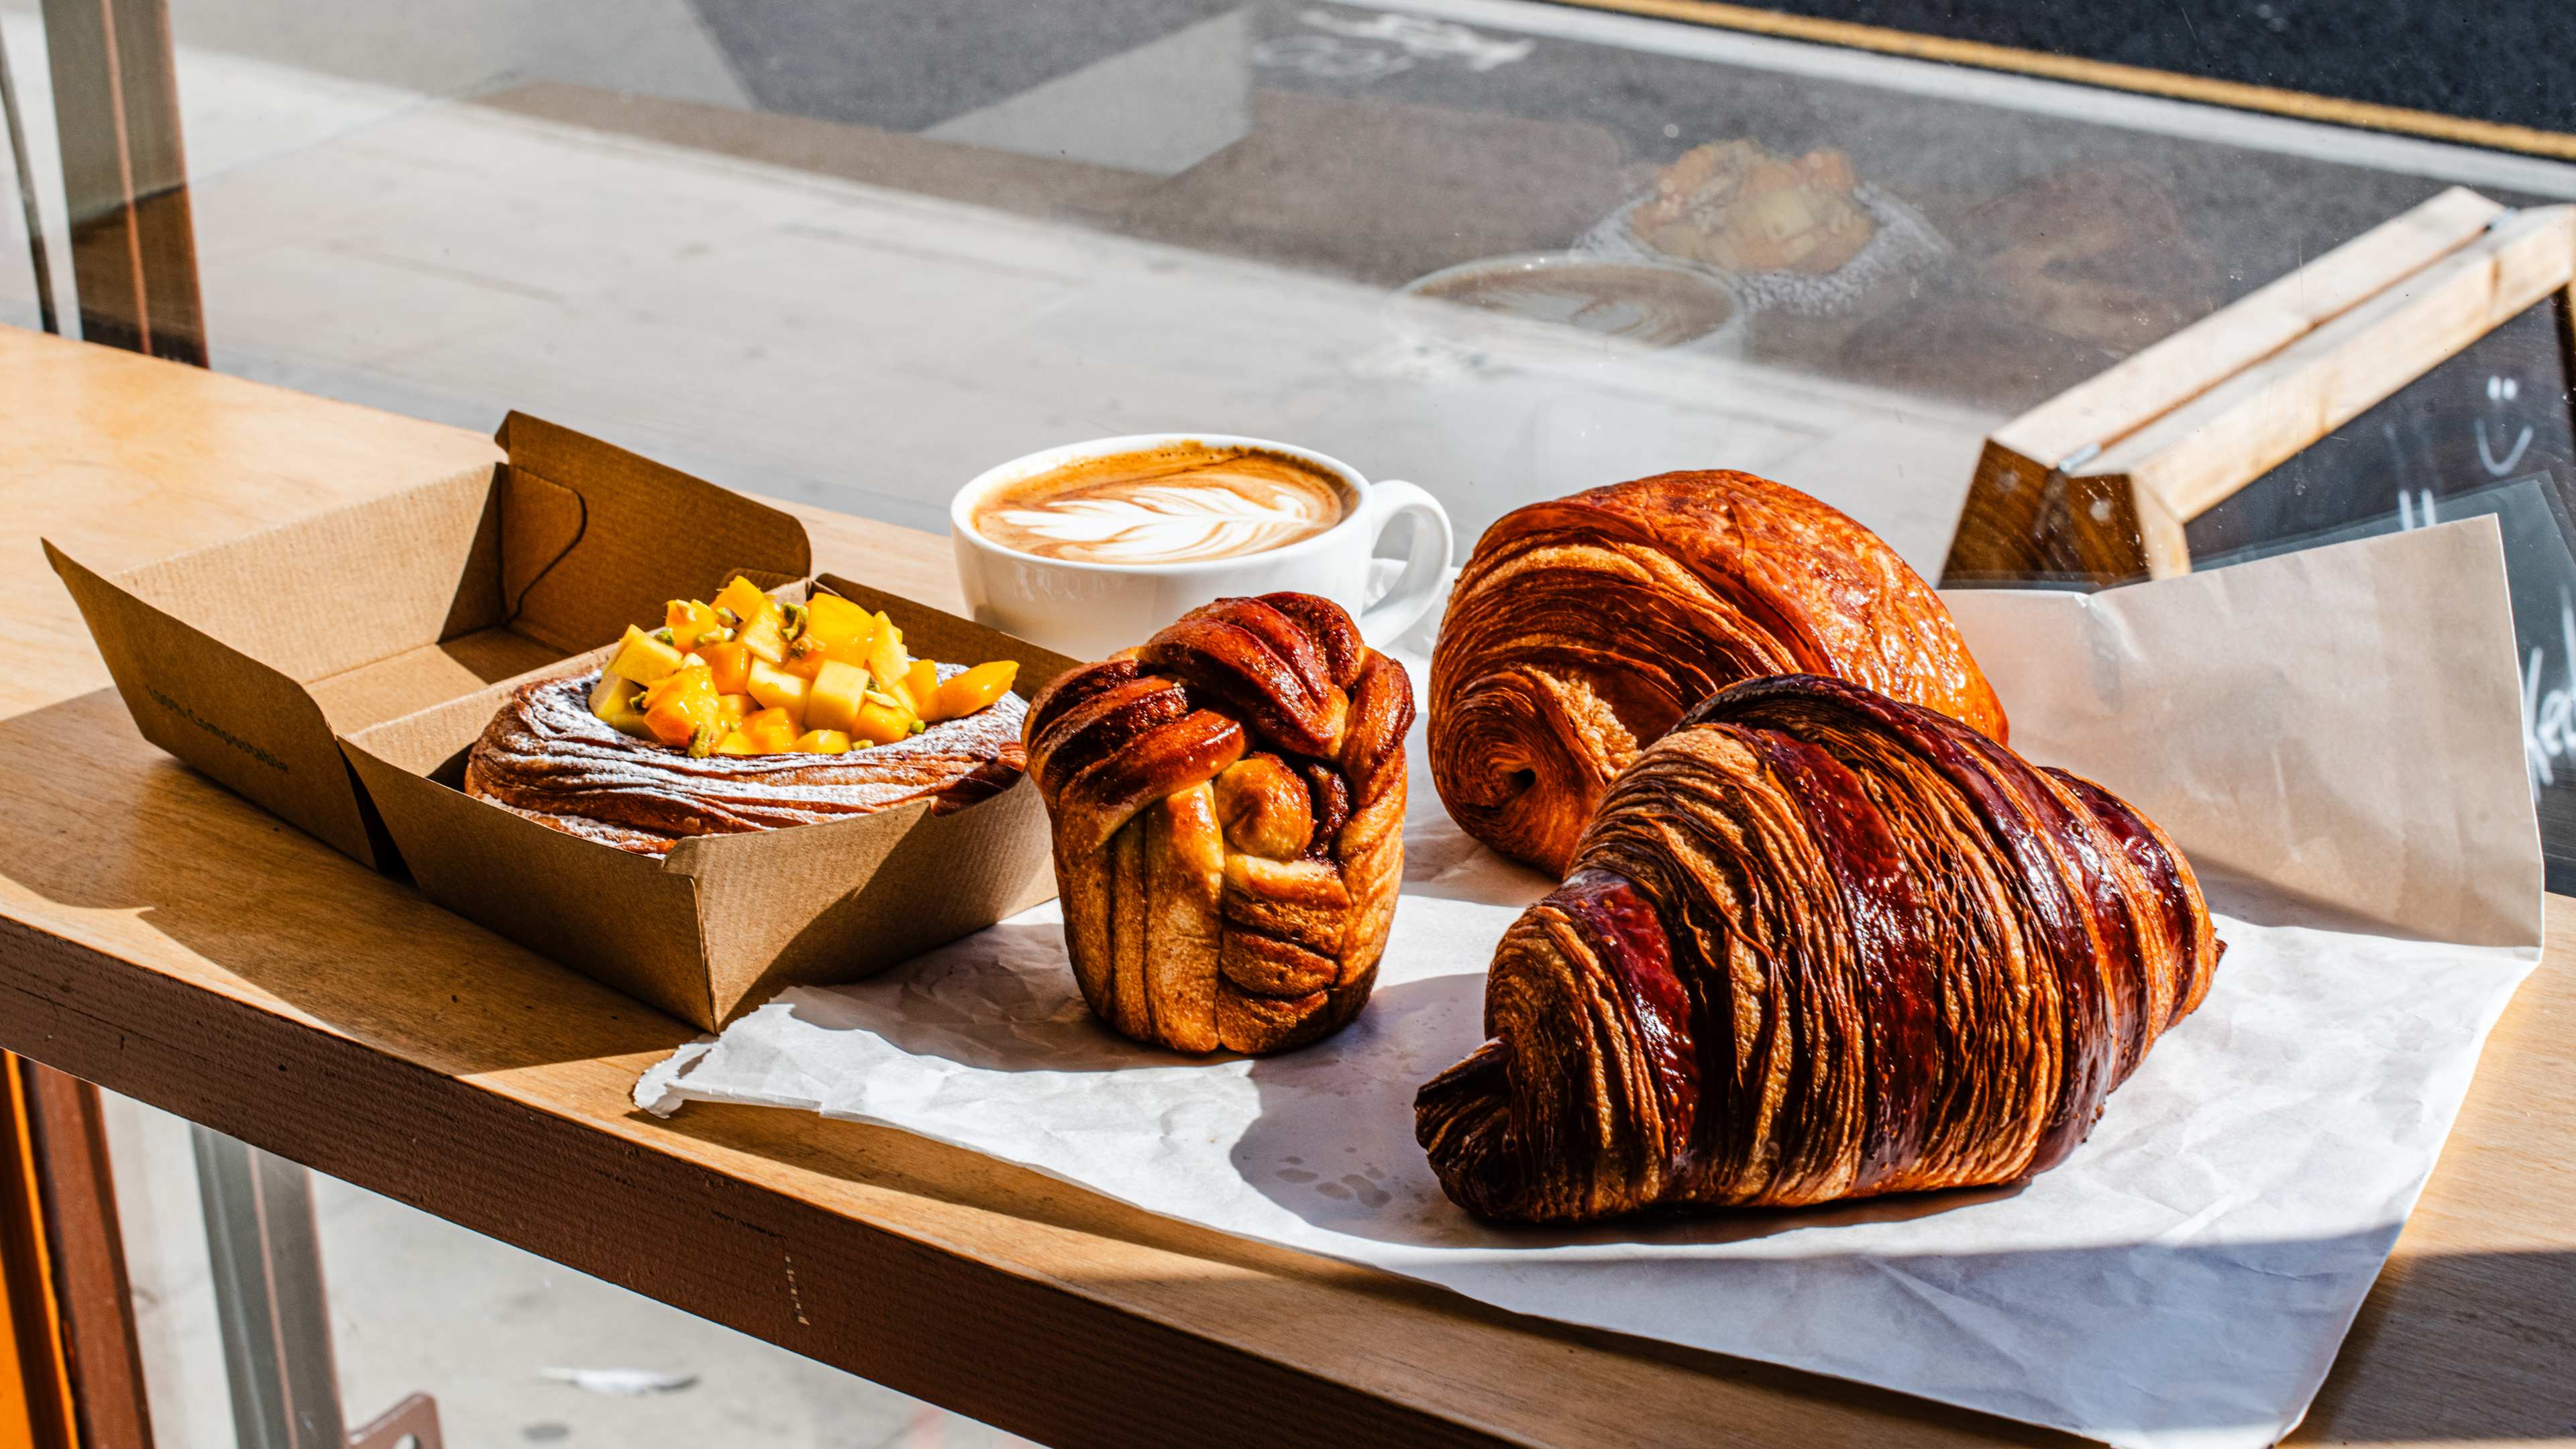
(2546, 715)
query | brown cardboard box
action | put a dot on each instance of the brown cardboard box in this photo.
(724, 921)
(336, 669)
(248, 658)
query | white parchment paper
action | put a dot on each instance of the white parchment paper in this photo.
(2333, 735)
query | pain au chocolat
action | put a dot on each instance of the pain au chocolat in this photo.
(1228, 808)
(547, 756)
(1581, 628)
(1818, 944)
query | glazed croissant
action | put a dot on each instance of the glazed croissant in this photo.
(1228, 805)
(1819, 944)
(1580, 629)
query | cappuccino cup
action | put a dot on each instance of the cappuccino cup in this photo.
(1093, 547)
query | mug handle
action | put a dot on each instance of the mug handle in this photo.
(1426, 564)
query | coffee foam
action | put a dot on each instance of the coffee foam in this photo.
(1169, 506)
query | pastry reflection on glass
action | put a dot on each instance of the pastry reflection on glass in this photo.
(1228, 809)
(1581, 628)
(1550, 303)
(1734, 205)
(1818, 944)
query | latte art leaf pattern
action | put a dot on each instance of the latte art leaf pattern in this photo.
(1180, 505)
(1170, 523)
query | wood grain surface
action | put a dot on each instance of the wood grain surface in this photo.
(162, 938)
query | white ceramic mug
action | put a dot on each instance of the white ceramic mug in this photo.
(1093, 610)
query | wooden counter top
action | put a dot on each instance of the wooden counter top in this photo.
(166, 940)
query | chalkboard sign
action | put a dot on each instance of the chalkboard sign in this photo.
(2424, 372)
(2497, 409)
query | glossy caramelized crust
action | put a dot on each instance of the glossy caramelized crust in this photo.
(1228, 803)
(546, 756)
(1819, 944)
(1580, 629)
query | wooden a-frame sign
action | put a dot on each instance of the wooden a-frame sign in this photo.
(2111, 480)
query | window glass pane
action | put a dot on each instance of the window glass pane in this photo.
(515, 1349)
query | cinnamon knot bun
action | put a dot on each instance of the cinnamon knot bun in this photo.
(546, 756)
(1580, 629)
(1818, 944)
(1228, 806)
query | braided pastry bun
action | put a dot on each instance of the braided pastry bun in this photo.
(1580, 629)
(1228, 803)
(1818, 944)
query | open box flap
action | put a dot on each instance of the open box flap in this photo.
(595, 538)
(334, 591)
(252, 727)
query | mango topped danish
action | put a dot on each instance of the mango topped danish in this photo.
(745, 713)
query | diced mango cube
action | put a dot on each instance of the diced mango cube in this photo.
(974, 689)
(920, 687)
(823, 742)
(731, 709)
(680, 706)
(776, 688)
(689, 621)
(746, 601)
(736, 743)
(880, 723)
(687, 679)
(835, 628)
(832, 702)
(764, 637)
(806, 657)
(731, 666)
(886, 657)
(831, 619)
(772, 731)
(677, 720)
(613, 699)
(643, 658)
